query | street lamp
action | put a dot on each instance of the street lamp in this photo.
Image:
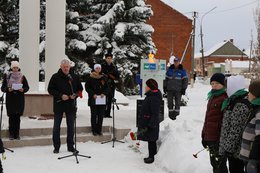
(201, 38)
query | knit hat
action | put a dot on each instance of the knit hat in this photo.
(15, 64)
(254, 88)
(152, 84)
(97, 66)
(218, 77)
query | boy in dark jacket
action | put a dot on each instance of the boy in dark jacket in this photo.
(213, 120)
(148, 123)
(112, 74)
(250, 148)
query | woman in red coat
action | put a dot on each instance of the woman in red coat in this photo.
(213, 120)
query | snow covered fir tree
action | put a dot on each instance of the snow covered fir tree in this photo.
(93, 27)
(9, 32)
(97, 26)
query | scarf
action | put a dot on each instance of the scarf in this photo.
(216, 93)
(256, 101)
(96, 75)
(226, 102)
(14, 78)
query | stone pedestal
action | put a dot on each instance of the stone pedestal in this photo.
(38, 104)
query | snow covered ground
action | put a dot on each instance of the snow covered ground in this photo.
(179, 140)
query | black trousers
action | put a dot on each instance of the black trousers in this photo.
(235, 165)
(152, 148)
(70, 118)
(110, 96)
(218, 162)
(14, 125)
(97, 114)
(1, 167)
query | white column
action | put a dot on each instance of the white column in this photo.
(55, 36)
(29, 26)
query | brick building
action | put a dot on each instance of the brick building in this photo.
(172, 32)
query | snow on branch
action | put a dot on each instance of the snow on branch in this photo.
(120, 30)
(139, 13)
(75, 44)
(111, 15)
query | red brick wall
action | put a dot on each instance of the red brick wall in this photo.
(169, 23)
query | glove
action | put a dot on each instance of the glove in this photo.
(3, 156)
(252, 166)
(165, 95)
(165, 90)
(183, 92)
(204, 143)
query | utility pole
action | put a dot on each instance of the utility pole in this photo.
(193, 47)
(202, 52)
(250, 53)
(201, 41)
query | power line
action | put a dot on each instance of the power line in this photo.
(230, 9)
(241, 6)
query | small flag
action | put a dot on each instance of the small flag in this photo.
(80, 94)
(133, 136)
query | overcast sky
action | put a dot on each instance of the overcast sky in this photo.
(231, 19)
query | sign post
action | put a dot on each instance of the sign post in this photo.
(155, 70)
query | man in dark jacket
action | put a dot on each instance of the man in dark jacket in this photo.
(175, 85)
(64, 87)
(110, 70)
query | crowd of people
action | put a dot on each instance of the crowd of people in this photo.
(231, 130)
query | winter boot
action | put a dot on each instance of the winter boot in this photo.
(172, 114)
(11, 135)
(149, 160)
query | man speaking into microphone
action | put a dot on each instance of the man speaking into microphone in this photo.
(64, 87)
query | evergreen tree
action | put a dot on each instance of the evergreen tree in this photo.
(9, 32)
(94, 27)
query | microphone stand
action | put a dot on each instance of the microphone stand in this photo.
(76, 152)
(113, 133)
(1, 117)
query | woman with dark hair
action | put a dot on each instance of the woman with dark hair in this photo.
(15, 85)
(148, 123)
